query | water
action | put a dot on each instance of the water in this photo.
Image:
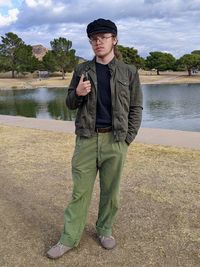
(43, 103)
(165, 106)
(172, 106)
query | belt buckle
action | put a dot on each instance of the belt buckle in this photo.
(103, 130)
(98, 130)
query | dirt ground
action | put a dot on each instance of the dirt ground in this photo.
(32, 83)
(146, 77)
(158, 223)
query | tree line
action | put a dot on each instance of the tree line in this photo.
(160, 61)
(17, 57)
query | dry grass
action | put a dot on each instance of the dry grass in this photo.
(146, 77)
(32, 83)
(158, 223)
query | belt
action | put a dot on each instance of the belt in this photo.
(103, 130)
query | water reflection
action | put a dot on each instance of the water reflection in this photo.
(165, 106)
(40, 103)
(172, 106)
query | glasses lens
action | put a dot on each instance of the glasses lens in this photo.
(103, 38)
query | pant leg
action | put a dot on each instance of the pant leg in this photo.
(84, 172)
(112, 157)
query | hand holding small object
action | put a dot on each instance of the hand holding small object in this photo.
(84, 87)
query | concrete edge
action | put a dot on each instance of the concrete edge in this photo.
(175, 138)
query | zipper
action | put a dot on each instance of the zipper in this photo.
(112, 104)
(92, 78)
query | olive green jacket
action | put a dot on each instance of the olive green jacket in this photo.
(126, 99)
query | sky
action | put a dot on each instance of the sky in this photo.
(171, 26)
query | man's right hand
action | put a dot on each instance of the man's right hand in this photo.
(84, 87)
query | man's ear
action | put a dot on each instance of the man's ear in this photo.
(115, 41)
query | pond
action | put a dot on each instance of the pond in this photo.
(165, 106)
(172, 106)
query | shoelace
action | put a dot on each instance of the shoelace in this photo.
(61, 246)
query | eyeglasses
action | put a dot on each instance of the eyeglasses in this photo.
(102, 39)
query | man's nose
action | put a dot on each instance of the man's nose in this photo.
(98, 40)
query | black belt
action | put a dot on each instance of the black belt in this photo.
(103, 130)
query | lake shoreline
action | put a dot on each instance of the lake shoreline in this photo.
(166, 106)
(154, 136)
(146, 77)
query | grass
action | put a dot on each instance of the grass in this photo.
(146, 77)
(158, 223)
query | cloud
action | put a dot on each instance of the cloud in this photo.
(6, 20)
(38, 3)
(147, 25)
(4, 3)
(78, 11)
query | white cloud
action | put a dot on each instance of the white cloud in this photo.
(10, 18)
(58, 8)
(4, 3)
(147, 25)
(36, 3)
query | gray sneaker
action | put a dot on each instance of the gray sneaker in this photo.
(107, 242)
(57, 251)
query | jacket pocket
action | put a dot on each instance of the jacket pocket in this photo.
(123, 94)
(123, 88)
(123, 83)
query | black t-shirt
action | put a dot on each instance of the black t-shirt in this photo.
(103, 112)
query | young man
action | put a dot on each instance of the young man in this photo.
(108, 97)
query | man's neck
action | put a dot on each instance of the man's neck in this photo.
(105, 60)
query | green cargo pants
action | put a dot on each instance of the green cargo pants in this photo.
(99, 153)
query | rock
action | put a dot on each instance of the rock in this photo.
(39, 51)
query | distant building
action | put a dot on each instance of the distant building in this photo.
(42, 74)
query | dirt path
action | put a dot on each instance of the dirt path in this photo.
(168, 79)
(146, 77)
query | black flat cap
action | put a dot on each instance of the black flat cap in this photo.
(101, 26)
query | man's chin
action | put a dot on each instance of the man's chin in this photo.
(100, 54)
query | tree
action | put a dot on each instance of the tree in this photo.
(160, 61)
(16, 55)
(196, 52)
(3, 63)
(8, 50)
(130, 56)
(49, 61)
(63, 54)
(25, 60)
(71, 62)
(190, 62)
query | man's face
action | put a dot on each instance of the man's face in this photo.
(102, 43)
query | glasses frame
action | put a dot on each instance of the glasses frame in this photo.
(101, 39)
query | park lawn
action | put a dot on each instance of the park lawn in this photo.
(146, 77)
(158, 223)
(30, 83)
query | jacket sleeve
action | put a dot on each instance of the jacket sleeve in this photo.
(136, 107)
(73, 101)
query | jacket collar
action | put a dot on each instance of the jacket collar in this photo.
(112, 64)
